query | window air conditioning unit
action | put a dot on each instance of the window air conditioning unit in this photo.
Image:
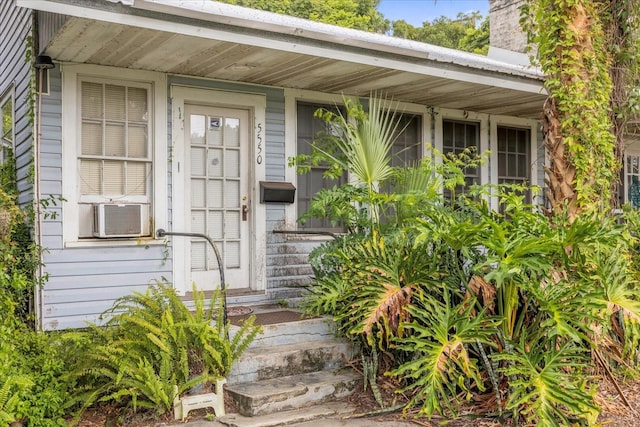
(112, 220)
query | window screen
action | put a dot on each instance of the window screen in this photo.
(457, 136)
(308, 129)
(6, 141)
(514, 157)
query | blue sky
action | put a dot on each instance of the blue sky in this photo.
(415, 12)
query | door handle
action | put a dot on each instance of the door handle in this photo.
(245, 212)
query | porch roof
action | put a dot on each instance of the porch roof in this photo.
(214, 40)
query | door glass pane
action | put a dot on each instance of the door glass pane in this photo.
(232, 163)
(214, 131)
(197, 129)
(232, 132)
(198, 158)
(198, 196)
(215, 229)
(232, 194)
(211, 258)
(198, 254)
(215, 162)
(214, 193)
(198, 222)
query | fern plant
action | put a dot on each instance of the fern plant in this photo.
(11, 387)
(154, 344)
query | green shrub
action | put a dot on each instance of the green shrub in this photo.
(153, 344)
(466, 300)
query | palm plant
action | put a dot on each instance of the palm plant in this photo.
(360, 143)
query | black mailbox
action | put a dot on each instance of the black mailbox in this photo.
(277, 192)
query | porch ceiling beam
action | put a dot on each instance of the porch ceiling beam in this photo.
(366, 53)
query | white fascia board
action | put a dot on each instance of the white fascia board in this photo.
(277, 23)
(495, 78)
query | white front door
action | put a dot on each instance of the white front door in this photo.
(217, 193)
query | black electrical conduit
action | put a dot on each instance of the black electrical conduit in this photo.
(223, 287)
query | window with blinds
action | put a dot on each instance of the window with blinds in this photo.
(114, 158)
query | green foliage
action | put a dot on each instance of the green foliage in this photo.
(549, 382)
(153, 344)
(588, 50)
(34, 387)
(461, 33)
(442, 368)
(476, 40)
(337, 205)
(358, 14)
(468, 301)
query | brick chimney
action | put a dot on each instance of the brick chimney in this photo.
(504, 21)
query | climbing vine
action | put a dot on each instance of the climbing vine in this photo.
(575, 50)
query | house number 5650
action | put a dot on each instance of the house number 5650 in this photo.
(259, 138)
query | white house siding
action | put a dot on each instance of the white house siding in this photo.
(82, 282)
(15, 28)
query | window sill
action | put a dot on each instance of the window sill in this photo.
(115, 243)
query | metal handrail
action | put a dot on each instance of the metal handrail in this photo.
(307, 231)
(223, 287)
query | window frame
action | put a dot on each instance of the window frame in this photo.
(534, 160)
(293, 96)
(634, 151)
(8, 96)
(445, 114)
(148, 160)
(72, 77)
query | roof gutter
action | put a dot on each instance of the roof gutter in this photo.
(311, 38)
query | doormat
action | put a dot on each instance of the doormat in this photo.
(271, 318)
(239, 310)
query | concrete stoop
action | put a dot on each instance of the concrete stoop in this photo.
(292, 365)
(327, 410)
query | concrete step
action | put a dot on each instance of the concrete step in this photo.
(292, 392)
(262, 363)
(289, 281)
(288, 417)
(314, 329)
(293, 247)
(287, 295)
(288, 259)
(289, 270)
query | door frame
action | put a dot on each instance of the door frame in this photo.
(256, 104)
